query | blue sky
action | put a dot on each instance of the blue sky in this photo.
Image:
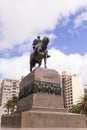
(64, 22)
(68, 39)
(71, 43)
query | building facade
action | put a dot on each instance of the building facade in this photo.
(9, 89)
(0, 96)
(72, 89)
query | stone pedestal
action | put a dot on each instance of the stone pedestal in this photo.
(39, 101)
(40, 81)
(41, 104)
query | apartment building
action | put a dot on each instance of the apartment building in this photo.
(9, 88)
(0, 96)
(72, 89)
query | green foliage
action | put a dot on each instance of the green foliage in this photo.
(80, 107)
(9, 105)
(83, 105)
(12, 103)
(15, 100)
(74, 109)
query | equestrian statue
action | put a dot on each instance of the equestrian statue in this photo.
(39, 52)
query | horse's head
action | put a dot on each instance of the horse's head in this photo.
(46, 40)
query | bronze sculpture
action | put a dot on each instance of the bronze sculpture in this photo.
(40, 52)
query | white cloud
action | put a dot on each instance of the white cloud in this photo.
(22, 19)
(80, 19)
(15, 67)
(73, 63)
(19, 66)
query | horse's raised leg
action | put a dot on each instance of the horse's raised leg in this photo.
(45, 63)
(39, 64)
(30, 68)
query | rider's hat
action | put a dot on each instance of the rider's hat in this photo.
(38, 37)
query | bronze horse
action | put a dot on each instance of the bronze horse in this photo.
(41, 53)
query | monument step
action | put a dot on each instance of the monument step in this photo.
(52, 109)
(45, 119)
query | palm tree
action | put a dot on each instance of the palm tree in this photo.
(82, 104)
(74, 109)
(9, 105)
(14, 101)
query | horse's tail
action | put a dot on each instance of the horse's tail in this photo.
(31, 55)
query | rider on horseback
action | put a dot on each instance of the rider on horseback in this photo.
(40, 52)
(36, 43)
(37, 47)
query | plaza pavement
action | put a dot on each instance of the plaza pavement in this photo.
(43, 128)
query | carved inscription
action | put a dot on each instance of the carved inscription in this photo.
(48, 77)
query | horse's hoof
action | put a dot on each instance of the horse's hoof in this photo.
(48, 56)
